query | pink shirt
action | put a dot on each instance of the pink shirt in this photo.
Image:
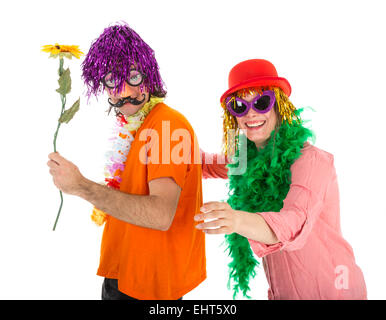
(312, 260)
(213, 165)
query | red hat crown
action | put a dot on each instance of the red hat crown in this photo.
(255, 73)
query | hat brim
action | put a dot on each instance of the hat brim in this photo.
(259, 82)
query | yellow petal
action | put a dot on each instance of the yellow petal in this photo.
(57, 48)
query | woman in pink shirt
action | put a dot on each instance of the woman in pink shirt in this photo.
(285, 205)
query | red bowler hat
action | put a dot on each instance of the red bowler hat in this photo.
(255, 73)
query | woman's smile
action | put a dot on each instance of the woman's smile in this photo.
(255, 125)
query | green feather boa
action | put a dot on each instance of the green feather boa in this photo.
(262, 188)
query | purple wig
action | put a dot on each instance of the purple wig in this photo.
(116, 50)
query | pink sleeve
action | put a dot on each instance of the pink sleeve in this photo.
(213, 165)
(311, 174)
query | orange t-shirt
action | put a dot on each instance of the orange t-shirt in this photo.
(152, 264)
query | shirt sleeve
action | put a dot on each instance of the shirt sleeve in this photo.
(170, 151)
(311, 174)
(213, 165)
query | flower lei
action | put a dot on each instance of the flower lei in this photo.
(124, 134)
(262, 188)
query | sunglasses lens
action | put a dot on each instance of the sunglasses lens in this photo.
(263, 103)
(135, 78)
(237, 106)
(109, 81)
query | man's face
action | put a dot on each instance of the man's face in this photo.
(131, 98)
(135, 93)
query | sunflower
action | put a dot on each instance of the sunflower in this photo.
(62, 51)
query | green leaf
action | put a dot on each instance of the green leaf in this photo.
(69, 113)
(64, 82)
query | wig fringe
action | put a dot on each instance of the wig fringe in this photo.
(285, 108)
(117, 50)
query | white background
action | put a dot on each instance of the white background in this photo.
(332, 53)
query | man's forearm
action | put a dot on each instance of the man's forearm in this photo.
(141, 210)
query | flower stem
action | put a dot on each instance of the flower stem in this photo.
(63, 99)
(60, 209)
(61, 61)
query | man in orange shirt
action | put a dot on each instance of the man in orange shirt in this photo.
(150, 248)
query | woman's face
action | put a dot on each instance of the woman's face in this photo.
(257, 126)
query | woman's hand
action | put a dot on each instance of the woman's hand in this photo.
(225, 220)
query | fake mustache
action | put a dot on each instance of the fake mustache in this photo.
(130, 100)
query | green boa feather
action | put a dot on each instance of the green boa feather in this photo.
(262, 188)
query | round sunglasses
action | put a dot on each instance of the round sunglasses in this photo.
(135, 79)
(262, 103)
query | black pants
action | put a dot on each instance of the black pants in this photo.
(110, 291)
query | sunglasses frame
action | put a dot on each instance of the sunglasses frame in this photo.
(250, 104)
(128, 82)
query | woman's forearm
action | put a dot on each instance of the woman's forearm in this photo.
(254, 227)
